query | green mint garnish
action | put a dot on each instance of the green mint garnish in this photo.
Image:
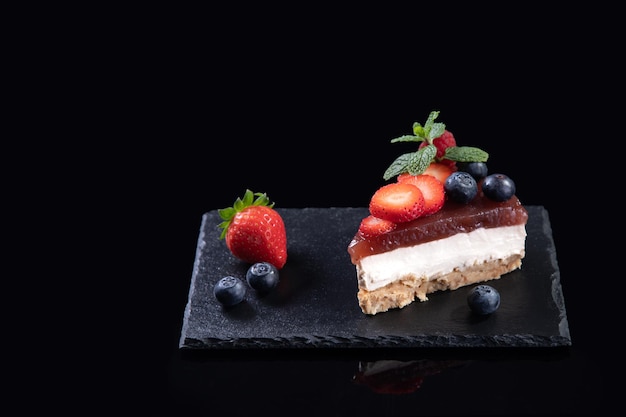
(416, 163)
(466, 154)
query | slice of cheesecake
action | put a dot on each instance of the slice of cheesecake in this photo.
(459, 245)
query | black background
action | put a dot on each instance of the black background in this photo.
(175, 115)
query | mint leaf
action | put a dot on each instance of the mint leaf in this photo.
(419, 161)
(431, 120)
(414, 163)
(466, 154)
(398, 166)
(435, 131)
(407, 138)
(418, 130)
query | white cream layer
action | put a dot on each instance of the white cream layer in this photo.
(439, 257)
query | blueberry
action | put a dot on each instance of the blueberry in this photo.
(478, 170)
(498, 187)
(262, 276)
(229, 291)
(483, 299)
(461, 187)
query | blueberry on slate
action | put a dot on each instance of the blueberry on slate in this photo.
(262, 276)
(483, 299)
(498, 187)
(461, 187)
(229, 291)
(478, 170)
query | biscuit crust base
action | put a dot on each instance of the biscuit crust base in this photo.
(403, 292)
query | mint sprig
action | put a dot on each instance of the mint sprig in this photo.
(415, 163)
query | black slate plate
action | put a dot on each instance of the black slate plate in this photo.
(315, 303)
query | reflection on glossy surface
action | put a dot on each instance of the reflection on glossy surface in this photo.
(400, 376)
(551, 381)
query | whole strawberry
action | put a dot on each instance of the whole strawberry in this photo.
(254, 231)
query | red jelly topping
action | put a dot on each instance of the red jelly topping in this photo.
(453, 218)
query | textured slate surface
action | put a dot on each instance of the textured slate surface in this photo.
(315, 303)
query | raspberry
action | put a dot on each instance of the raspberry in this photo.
(442, 143)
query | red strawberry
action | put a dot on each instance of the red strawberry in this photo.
(373, 226)
(397, 202)
(439, 170)
(431, 188)
(254, 231)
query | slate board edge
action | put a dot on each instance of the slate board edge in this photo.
(557, 290)
(417, 341)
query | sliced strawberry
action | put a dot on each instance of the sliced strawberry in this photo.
(373, 226)
(431, 188)
(439, 170)
(405, 177)
(397, 202)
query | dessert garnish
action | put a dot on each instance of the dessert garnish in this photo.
(254, 231)
(229, 291)
(434, 171)
(483, 299)
(436, 145)
(262, 276)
